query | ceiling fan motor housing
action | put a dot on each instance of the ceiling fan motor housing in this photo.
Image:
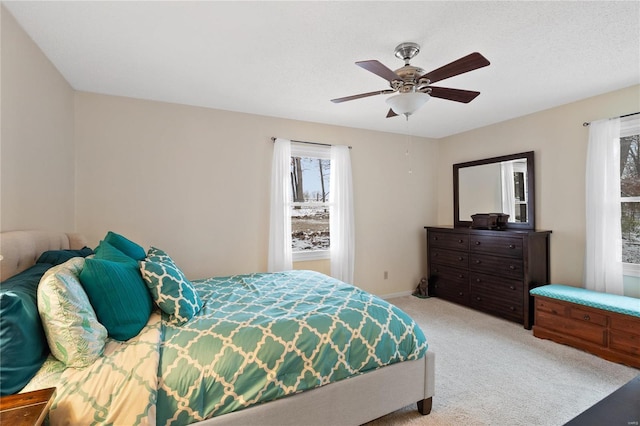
(407, 51)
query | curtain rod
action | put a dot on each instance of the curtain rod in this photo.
(273, 139)
(586, 123)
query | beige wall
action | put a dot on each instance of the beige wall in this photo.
(195, 182)
(559, 141)
(36, 142)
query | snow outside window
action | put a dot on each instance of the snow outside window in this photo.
(630, 193)
(310, 184)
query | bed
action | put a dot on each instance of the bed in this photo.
(136, 380)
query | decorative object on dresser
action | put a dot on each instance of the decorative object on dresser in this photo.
(488, 270)
(606, 325)
(489, 220)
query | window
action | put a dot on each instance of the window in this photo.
(630, 193)
(310, 185)
(337, 215)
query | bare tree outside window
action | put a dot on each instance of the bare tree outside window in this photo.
(630, 194)
(310, 209)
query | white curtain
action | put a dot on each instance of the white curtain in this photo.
(603, 254)
(508, 190)
(280, 253)
(341, 220)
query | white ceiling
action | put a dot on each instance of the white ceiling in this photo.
(288, 59)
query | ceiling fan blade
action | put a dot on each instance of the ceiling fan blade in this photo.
(458, 95)
(391, 114)
(468, 63)
(361, 95)
(379, 69)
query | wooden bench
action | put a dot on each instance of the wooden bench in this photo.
(603, 324)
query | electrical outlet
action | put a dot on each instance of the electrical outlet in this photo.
(386, 274)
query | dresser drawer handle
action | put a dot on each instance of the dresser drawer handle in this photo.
(435, 238)
(435, 254)
(477, 261)
(460, 241)
(512, 308)
(586, 317)
(478, 298)
(513, 268)
(460, 294)
(460, 276)
(512, 287)
(478, 280)
(460, 258)
(512, 246)
(436, 270)
(477, 243)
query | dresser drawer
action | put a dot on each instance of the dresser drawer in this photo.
(491, 299)
(507, 267)
(449, 240)
(447, 273)
(452, 290)
(502, 246)
(458, 259)
(499, 286)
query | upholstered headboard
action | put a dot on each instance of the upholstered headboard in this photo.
(21, 249)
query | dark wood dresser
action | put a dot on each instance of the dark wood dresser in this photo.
(491, 271)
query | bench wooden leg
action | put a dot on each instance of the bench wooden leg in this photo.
(424, 406)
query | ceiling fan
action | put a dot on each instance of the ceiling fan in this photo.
(414, 84)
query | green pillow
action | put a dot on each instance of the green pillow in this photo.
(58, 257)
(107, 251)
(170, 289)
(23, 344)
(125, 245)
(118, 295)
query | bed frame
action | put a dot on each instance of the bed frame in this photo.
(354, 401)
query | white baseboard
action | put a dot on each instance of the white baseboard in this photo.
(399, 294)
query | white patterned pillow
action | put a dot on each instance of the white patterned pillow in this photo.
(169, 287)
(73, 332)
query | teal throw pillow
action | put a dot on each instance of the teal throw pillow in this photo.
(125, 245)
(169, 287)
(118, 295)
(107, 251)
(57, 257)
(156, 255)
(23, 344)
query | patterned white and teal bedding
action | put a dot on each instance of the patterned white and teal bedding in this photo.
(258, 337)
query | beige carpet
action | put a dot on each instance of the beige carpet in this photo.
(494, 372)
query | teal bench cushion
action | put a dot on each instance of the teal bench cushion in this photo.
(608, 302)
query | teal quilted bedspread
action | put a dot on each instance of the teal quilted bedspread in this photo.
(265, 336)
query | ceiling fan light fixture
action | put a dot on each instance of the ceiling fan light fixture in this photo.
(407, 103)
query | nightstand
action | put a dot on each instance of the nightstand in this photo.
(29, 408)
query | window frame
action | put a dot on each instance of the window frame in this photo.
(316, 151)
(630, 126)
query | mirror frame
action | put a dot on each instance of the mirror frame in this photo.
(531, 205)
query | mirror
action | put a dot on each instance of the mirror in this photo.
(495, 185)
